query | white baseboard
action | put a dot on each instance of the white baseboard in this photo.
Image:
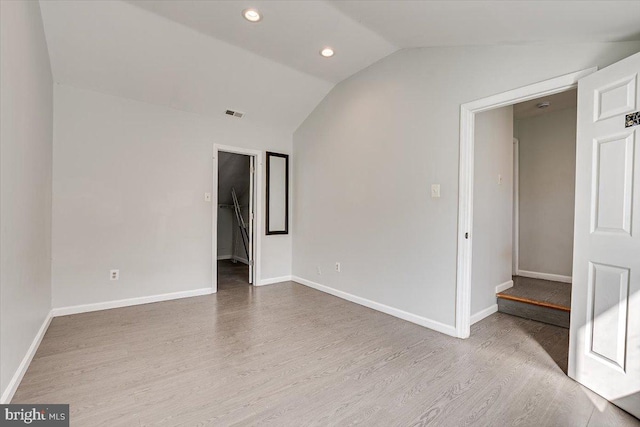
(404, 315)
(273, 280)
(545, 276)
(8, 393)
(475, 318)
(85, 308)
(504, 286)
(233, 257)
(242, 260)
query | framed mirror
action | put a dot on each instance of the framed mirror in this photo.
(277, 215)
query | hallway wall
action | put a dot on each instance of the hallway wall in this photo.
(547, 161)
(492, 206)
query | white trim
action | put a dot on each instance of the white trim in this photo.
(484, 313)
(504, 286)
(257, 236)
(252, 208)
(224, 257)
(8, 393)
(545, 276)
(465, 191)
(86, 308)
(401, 314)
(274, 280)
(516, 207)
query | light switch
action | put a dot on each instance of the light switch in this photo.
(207, 197)
(435, 190)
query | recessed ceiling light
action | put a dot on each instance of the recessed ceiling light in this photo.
(251, 15)
(327, 52)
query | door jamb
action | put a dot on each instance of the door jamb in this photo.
(516, 207)
(465, 195)
(258, 185)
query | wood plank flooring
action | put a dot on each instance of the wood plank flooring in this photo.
(232, 274)
(554, 294)
(537, 299)
(288, 355)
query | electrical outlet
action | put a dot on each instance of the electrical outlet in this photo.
(114, 274)
(319, 270)
(338, 267)
(207, 197)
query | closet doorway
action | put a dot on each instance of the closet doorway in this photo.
(234, 218)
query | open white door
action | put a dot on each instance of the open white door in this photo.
(604, 352)
(252, 172)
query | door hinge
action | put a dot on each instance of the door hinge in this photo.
(466, 235)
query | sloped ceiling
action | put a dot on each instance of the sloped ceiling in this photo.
(119, 49)
(202, 56)
(291, 32)
(467, 23)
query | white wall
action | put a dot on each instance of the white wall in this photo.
(547, 191)
(226, 225)
(128, 186)
(239, 252)
(367, 155)
(26, 114)
(492, 206)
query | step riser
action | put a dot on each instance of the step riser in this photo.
(534, 312)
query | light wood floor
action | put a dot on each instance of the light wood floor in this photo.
(556, 293)
(287, 355)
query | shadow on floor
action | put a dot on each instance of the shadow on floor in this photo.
(232, 274)
(554, 340)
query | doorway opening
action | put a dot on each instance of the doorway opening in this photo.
(524, 205)
(491, 170)
(523, 215)
(235, 188)
(544, 166)
(235, 216)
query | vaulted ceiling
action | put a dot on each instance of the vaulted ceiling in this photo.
(202, 56)
(291, 32)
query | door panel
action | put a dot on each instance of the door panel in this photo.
(612, 185)
(607, 313)
(604, 352)
(615, 98)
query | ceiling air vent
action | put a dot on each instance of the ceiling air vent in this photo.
(234, 113)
